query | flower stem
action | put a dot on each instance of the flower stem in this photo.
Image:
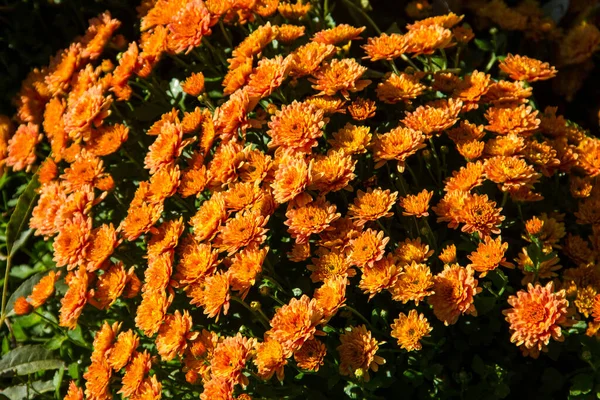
(261, 317)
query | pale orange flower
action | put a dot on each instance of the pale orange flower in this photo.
(358, 353)
(166, 148)
(382, 275)
(453, 289)
(414, 283)
(480, 215)
(21, 147)
(119, 355)
(295, 323)
(417, 205)
(268, 75)
(296, 126)
(489, 256)
(426, 39)
(329, 264)
(313, 217)
(174, 334)
(308, 58)
(87, 110)
(372, 205)
(74, 299)
(331, 296)
(410, 329)
(510, 173)
(351, 139)
(402, 87)
(504, 93)
(135, 372)
(385, 47)
(341, 33)
(229, 359)
(332, 172)
(188, 27)
(397, 144)
(412, 250)
(434, 117)
(536, 317)
(311, 355)
(520, 120)
(523, 68)
(209, 217)
(270, 358)
(367, 248)
(245, 229)
(340, 76)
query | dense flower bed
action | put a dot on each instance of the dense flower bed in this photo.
(251, 193)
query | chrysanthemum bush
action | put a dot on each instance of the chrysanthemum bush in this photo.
(253, 201)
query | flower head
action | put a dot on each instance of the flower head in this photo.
(297, 126)
(174, 334)
(522, 68)
(229, 359)
(454, 289)
(340, 76)
(21, 147)
(521, 120)
(311, 218)
(385, 47)
(270, 359)
(367, 248)
(414, 283)
(434, 117)
(372, 205)
(311, 355)
(410, 329)
(397, 144)
(417, 204)
(295, 323)
(402, 87)
(358, 352)
(489, 256)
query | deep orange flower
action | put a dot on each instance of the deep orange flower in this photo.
(471, 150)
(139, 220)
(87, 110)
(196, 261)
(466, 178)
(299, 252)
(291, 177)
(293, 11)
(21, 147)
(295, 323)
(510, 173)
(244, 268)
(268, 76)
(372, 205)
(287, 33)
(127, 64)
(358, 353)
(329, 104)
(110, 285)
(297, 126)
(244, 229)
(471, 89)
(165, 237)
(412, 250)
(402, 87)
(174, 334)
(74, 299)
(489, 256)
(521, 120)
(107, 139)
(506, 146)
(453, 289)
(596, 308)
(329, 264)
(426, 39)
(339, 34)
(536, 316)
(62, 67)
(434, 117)
(522, 68)
(414, 283)
(417, 205)
(361, 109)
(188, 27)
(397, 144)
(217, 389)
(193, 120)
(169, 117)
(158, 273)
(308, 58)
(332, 172)
(310, 218)
(311, 355)
(256, 166)
(445, 82)
(448, 254)
(166, 148)
(225, 164)
(74, 392)
(135, 372)
(98, 34)
(120, 353)
(331, 296)
(446, 21)
(340, 76)
(97, 379)
(21, 306)
(410, 329)
(367, 248)
(150, 388)
(209, 217)
(382, 275)
(72, 242)
(212, 295)
(102, 243)
(151, 311)
(466, 131)
(194, 84)
(85, 170)
(505, 93)
(229, 359)
(351, 139)
(270, 359)
(385, 47)
(43, 289)
(480, 215)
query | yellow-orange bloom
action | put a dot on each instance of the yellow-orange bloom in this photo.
(270, 359)
(287, 33)
(520, 120)
(338, 34)
(151, 311)
(293, 11)
(194, 84)
(510, 173)
(308, 57)
(43, 289)
(340, 76)
(331, 296)
(351, 139)
(367, 248)
(489, 256)
(212, 295)
(397, 144)
(434, 117)
(372, 205)
(361, 109)
(417, 205)
(297, 126)
(268, 76)
(410, 329)
(454, 289)
(382, 275)
(311, 355)
(313, 217)
(522, 68)
(139, 220)
(295, 323)
(414, 283)
(385, 47)
(358, 353)
(480, 215)
(447, 21)
(426, 39)
(174, 334)
(329, 264)
(196, 260)
(536, 317)
(245, 267)
(448, 254)
(471, 89)
(332, 172)
(21, 306)
(209, 217)
(399, 87)
(245, 229)
(120, 353)
(229, 359)
(135, 372)
(75, 299)
(291, 178)
(412, 250)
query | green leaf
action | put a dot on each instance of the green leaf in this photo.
(55, 342)
(502, 390)
(20, 392)
(24, 290)
(552, 380)
(478, 365)
(16, 230)
(483, 45)
(582, 384)
(29, 359)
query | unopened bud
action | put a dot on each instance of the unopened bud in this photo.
(444, 149)
(586, 355)
(255, 305)
(265, 290)
(427, 155)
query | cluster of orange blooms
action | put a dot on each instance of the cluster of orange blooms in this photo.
(258, 163)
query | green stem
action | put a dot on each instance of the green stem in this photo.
(261, 317)
(394, 68)
(383, 227)
(430, 233)
(5, 289)
(364, 15)
(226, 34)
(437, 161)
(406, 59)
(504, 199)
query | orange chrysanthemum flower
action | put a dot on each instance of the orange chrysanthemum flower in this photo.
(209, 217)
(120, 353)
(505, 93)
(194, 84)
(434, 117)
(87, 110)
(448, 254)
(196, 261)
(417, 205)
(471, 89)
(244, 229)
(341, 33)
(522, 68)
(270, 358)
(489, 256)
(466, 178)
(291, 178)
(295, 323)
(102, 243)
(340, 76)
(362, 109)
(385, 47)
(351, 139)
(402, 87)
(508, 145)
(536, 317)
(188, 27)
(174, 334)
(212, 295)
(268, 75)
(299, 252)
(453, 292)
(287, 33)
(313, 217)
(397, 144)
(367, 248)
(308, 58)
(151, 311)
(74, 392)
(43, 289)
(414, 284)
(358, 353)
(107, 139)
(21, 306)
(510, 173)
(329, 264)
(579, 44)
(297, 126)
(71, 244)
(229, 359)
(97, 379)
(410, 329)
(311, 355)
(412, 250)
(139, 220)
(480, 215)
(329, 104)
(332, 172)
(135, 372)
(596, 308)
(466, 131)
(21, 147)
(245, 267)
(426, 39)
(520, 120)
(331, 296)
(293, 11)
(382, 275)
(447, 21)
(110, 286)
(372, 205)
(166, 148)
(74, 299)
